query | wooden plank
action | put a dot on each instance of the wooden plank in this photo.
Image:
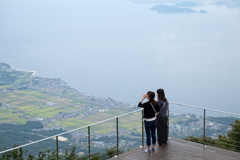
(180, 149)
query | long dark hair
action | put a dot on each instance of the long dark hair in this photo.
(151, 96)
(161, 95)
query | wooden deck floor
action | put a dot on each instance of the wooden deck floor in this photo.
(178, 149)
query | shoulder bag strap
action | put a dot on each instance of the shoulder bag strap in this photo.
(163, 106)
(152, 107)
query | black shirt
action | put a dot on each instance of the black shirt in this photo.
(148, 110)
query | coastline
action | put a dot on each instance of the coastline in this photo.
(30, 71)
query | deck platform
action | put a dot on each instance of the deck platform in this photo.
(179, 149)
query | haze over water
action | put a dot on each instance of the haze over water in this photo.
(121, 49)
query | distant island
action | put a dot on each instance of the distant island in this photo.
(174, 9)
(227, 3)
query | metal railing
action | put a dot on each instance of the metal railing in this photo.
(88, 127)
(89, 135)
(204, 117)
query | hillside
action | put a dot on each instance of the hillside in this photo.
(33, 107)
(29, 99)
(25, 96)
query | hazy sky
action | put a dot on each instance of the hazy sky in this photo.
(121, 49)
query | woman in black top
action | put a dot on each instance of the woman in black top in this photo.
(162, 118)
(149, 109)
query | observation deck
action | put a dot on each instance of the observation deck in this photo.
(178, 149)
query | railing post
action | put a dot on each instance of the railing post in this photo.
(117, 135)
(89, 149)
(142, 129)
(57, 147)
(204, 128)
(21, 152)
(168, 124)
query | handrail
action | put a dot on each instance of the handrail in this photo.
(204, 117)
(204, 108)
(116, 117)
(69, 131)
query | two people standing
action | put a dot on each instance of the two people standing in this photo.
(152, 122)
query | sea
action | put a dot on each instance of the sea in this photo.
(121, 49)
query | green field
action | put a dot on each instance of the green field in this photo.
(32, 104)
(5, 87)
(6, 116)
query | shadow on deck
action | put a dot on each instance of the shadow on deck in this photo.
(178, 149)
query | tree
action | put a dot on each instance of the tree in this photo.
(14, 154)
(230, 141)
(112, 151)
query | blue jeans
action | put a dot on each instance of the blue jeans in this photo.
(150, 129)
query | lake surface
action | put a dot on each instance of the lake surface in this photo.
(121, 49)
